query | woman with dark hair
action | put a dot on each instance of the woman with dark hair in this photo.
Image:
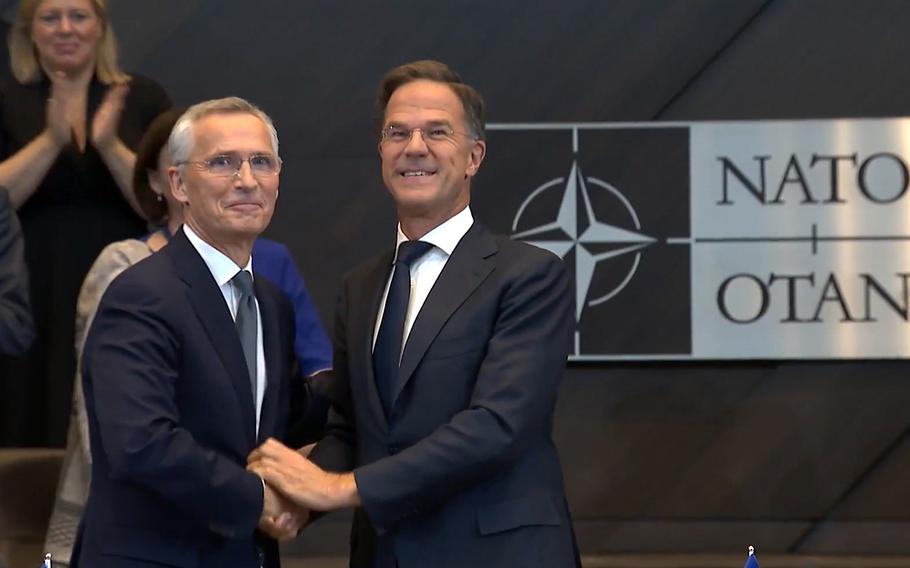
(69, 118)
(270, 259)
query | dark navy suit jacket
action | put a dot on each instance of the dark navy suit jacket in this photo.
(464, 471)
(16, 328)
(172, 420)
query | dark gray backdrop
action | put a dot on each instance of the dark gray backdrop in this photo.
(797, 457)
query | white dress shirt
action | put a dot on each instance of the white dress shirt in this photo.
(426, 269)
(223, 269)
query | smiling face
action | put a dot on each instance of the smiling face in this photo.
(66, 34)
(226, 211)
(428, 172)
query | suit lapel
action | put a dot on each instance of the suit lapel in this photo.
(208, 303)
(469, 265)
(271, 345)
(366, 303)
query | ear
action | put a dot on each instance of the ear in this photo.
(177, 185)
(478, 152)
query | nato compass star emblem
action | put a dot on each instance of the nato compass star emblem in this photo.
(577, 228)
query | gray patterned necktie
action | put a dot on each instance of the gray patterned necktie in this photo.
(246, 322)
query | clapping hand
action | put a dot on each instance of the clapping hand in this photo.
(66, 110)
(107, 117)
(59, 119)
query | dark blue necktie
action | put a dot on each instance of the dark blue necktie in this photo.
(387, 351)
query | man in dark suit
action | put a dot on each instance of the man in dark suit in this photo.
(448, 355)
(16, 328)
(188, 366)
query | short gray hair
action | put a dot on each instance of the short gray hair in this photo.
(180, 143)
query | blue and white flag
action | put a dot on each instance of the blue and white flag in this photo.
(47, 561)
(751, 560)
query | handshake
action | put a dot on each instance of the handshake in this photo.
(294, 486)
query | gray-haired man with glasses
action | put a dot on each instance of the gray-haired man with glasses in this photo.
(189, 365)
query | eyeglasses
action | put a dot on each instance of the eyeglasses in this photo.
(227, 165)
(431, 133)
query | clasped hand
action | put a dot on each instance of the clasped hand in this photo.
(300, 480)
(281, 519)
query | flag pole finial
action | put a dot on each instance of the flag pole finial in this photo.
(751, 551)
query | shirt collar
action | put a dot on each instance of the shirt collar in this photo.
(221, 267)
(447, 235)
